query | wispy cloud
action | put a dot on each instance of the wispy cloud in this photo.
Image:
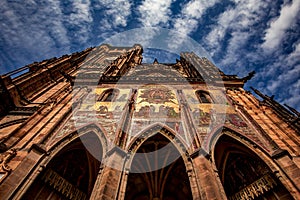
(283, 78)
(80, 12)
(278, 26)
(289, 82)
(155, 12)
(34, 29)
(234, 28)
(80, 19)
(188, 21)
(241, 35)
(293, 97)
(115, 14)
(294, 57)
(146, 36)
(191, 13)
(238, 18)
(217, 34)
(42, 29)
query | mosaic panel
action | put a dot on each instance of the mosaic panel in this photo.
(109, 113)
(156, 103)
(207, 116)
(106, 114)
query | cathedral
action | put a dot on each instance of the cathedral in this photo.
(102, 124)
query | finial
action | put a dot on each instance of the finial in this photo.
(155, 61)
(248, 77)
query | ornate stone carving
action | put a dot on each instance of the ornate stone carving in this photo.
(255, 189)
(6, 158)
(63, 186)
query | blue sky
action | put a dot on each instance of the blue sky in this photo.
(239, 35)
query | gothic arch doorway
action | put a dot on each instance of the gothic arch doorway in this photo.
(244, 175)
(152, 179)
(71, 173)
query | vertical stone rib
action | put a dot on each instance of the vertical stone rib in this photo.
(190, 127)
(125, 121)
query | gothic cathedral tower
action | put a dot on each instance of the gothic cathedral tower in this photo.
(100, 124)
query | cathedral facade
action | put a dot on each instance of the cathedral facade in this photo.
(100, 124)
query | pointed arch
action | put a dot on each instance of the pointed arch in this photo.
(163, 129)
(158, 166)
(71, 169)
(97, 129)
(204, 96)
(218, 131)
(244, 172)
(109, 95)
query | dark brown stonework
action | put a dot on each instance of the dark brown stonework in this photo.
(74, 127)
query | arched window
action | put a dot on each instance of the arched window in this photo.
(204, 97)
(109, 95)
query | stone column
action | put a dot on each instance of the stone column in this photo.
(210, 187)
(122, 191)
(17, 183)
(108, 182)
(292, 172)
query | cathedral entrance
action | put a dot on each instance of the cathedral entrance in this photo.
(244, 175)
(155, 175)
(71, 174)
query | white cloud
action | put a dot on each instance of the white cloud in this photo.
(81, 19)
(187, 21)
(215, 37)
(155, 12)
(81, 12)
(237, 41)
(276, 32)
(234, 28)
(289, 82)
(287, 76)
(146, 36)
(190, 15)
(294, 97)
(33, 28)
(236, 21)
(116, 13)
(283, 77)
(294, 57)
